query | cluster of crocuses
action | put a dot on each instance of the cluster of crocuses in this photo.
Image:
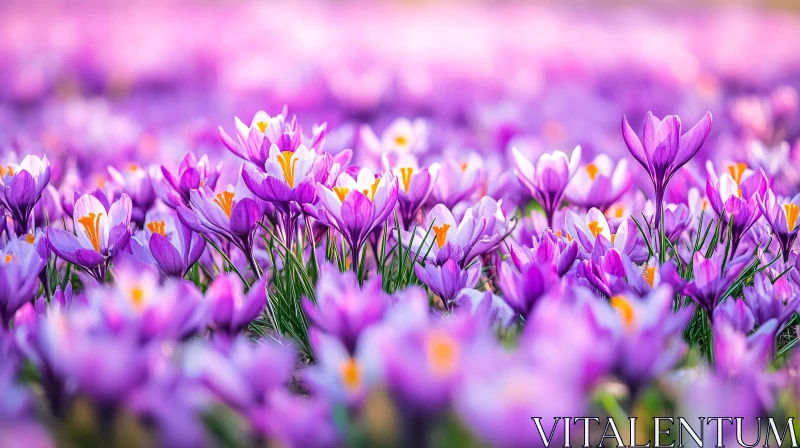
(425, 270)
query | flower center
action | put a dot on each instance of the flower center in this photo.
(401, 140)
(288, 160)
(442, 353)
(619, 212)
(9, 257)
(225, 201)
(262, 126)
(370, 193)
(137, 297)
(351, 374)
(441, 234)
(6, 170)
(624, 309)
(791, 210)
(737, 171)
(405, 177)
(91, 224)
(30, 238)
(595, 228)
(592, 170)
(132, 167)
(341, 192)
(156, 227)
(464, 166)
(649, 274)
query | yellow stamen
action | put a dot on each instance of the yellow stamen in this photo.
(791, 210)
(739, 192)
(30, 238)
(2, 171)
(288, 160)
(464, 166)
(405, 177)
(370, 194)
(10, 170)
(401, 140)
(613, 238)
(341, 192)
(649, 274)
(262, 126)
(225, 201)
(91, 224)
(592, 170)
(442, 353)
(441, 234)
(737, 171)
(619, 212)
(705, 203)
(351, 374)
(137, 297)
(133, 167)
(595, 228)
(9, 257)
(157, 227)
(624, 309)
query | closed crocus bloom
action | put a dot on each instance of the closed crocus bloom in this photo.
(231, 309)
(135, 181)
(547, 249)
(735, 313)
(734, 196)
(710, 282)
(288, 183)
(676, 219)
(22, 187)
(448, 278)
(416, 184)
(357, 206)
(782, 219)
(343, 308)
(457, 180)
(174, 188)
(599, 184)
(20, 266)
(548, 178)
(523, 288)
(100, 234)
(232, 214)
(768, 300)
(663, 150)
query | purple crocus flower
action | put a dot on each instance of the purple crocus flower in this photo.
(735, 313)
(522, 288)
(448, 278)
(416, 185)
(547, 249)
(456, 182)
(22, 187)
(101, 233)
(663, 150)
(285, 421)
(595, 230)
(782, 219)
(734, 196)
(231, 309)
(20, 265)
(232, 214)
(548, 178)
(165, 240)
(174, 187)
(447, 239)
(343, 308)
(768, 300)
(599, 184)
(401, 137)
(357, 206)
(710, 282)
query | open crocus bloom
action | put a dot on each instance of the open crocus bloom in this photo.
(446, 238)
(288, 177)
(782, 219)
(402, 136)
(174, 188)
(587, 232)
(457, 180)
(99, 234)
(599, 184)
(356, 206)
(166, 241)
(734, 196)
(415, 183)
(548, 179)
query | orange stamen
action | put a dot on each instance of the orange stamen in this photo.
(370, 193)
(225, 201)
(595, 228)
(351, 374)
(592, 170)
(441, 234)
(737, 171)
(401, 140)
(405, 177)
(792, 211)
(288, 160)
(157, 227)
(30, 238)
(341, 192)
(442, 353)
(9, 257)
(137, 297)
(649, 274)
(91, 224)
(624, 309)
(464, 166)
(262, 126)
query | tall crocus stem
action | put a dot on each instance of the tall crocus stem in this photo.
(662, 247)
